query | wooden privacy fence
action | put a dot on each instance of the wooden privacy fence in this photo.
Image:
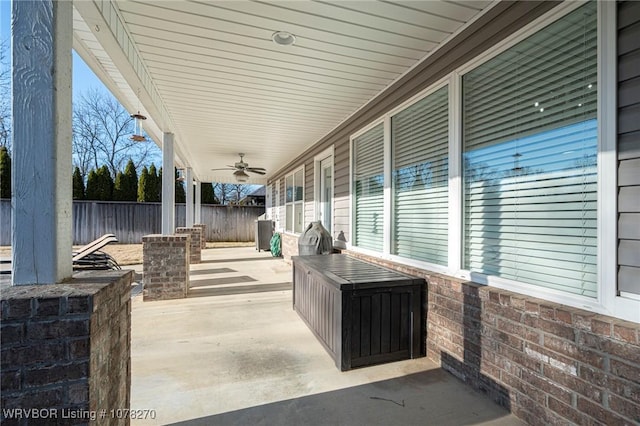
(130, 221)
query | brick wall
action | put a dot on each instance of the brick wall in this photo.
(196, 238)
(66, 348)
(165, 263)
(289, 245)
(203, 234)
(109, 354)
(548, 363)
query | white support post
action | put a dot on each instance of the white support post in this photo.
(41, 174)
(168, 185)
(188, 186)
(388, 183)
(455, 175)
(198, 216)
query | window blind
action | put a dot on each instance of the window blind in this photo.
(298, 198)
(368, 178)
(420, 180)
(289, 217)
(530, 149)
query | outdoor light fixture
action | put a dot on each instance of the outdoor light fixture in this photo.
(241, 176)
(283, 38)
(137, 135)
(138, 118)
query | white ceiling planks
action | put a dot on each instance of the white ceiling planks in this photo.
(229, 88)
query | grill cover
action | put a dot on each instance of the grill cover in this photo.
(315, 240)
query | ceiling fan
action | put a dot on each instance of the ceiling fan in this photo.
(240, 168)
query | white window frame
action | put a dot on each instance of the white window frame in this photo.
(389, 160)
(273, 196)
(280, 206)
(388, 178)
(352, 199)
(294, 202)
(608, 301)
(329, 152)
(623, 307)
(269, 201)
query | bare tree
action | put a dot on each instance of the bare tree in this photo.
(85, 139)
(5, 95)
(101, 135)
(221, 191)
(230, 193)
(238, 192)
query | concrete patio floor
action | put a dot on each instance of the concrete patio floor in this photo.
(235, 353)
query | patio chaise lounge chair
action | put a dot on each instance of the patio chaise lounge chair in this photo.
(87, 257)
(90, 256)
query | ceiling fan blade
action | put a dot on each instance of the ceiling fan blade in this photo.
(262, 169)
(226, 168)
(252, 170)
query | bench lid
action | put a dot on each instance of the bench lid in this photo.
(347, 272)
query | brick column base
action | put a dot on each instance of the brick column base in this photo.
(196, 251)
(203, 234)
(165, 266)
(548, 363)
(66, 350)
(289, 245)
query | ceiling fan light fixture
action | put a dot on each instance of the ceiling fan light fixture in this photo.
(241, 176)
(283, 38)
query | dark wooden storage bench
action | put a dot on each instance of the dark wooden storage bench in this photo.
(362, 314)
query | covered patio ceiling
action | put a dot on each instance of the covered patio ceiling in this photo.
(210, 73)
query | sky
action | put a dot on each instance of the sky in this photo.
(83, 78)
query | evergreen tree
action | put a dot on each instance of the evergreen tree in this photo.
(181, 196)
(92, 186)
(78, 185)
(142, 183)
(154, 184)
(5, 173)
(126, 186)
(131, 190)
(160, 184)
(208, 197)
(105, 182)
(99, 185)
(180, 193)
(118, 193)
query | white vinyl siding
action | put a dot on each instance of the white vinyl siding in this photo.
(368, 190)
(530, 140)
(419, 137)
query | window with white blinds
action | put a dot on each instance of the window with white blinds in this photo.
(294, 201)
(420, 138)
(368, 181)
(530, 149)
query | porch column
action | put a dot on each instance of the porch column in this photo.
(168, 185)
(189, 188)
(41, 174)
(197, 216)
